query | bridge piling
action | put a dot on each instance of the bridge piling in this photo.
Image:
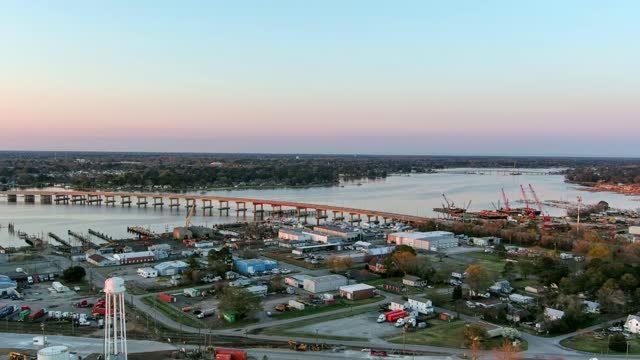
(223, 205)
(125, 200)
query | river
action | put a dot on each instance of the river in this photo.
(415, 194)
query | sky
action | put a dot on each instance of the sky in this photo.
(376, 77)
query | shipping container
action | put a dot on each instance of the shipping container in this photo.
(24, 314)
(223, 357)
(167, 298)
(296, 305)
(236, 354)
(36, 315)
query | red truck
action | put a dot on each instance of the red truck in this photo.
(167, 298)
(36, 315)
(230, 354)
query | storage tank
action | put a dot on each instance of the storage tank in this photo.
(54, 353)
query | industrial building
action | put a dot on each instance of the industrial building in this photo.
(135, 257)
(357, 291)
(7, 286)
(148, 272)
(485, 241)
(102, 260)
(252, 266)
(344, 234)
(170, 268)
(258, 290)
(433, 240)
(292, 235)
(296, 281)
(324, 283)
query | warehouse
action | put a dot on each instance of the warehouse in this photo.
(433, 240)
(334, 230)
(292, 235)
(296, 281)
(170, 268)
(101, 260)
(147, 272)
(324, 283)
(357, 291)
(322, 237)
(135, 257)
(258, 290)
(252, 266)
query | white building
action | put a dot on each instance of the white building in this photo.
(521, 299)
(433, 240)
(396, 306)
(296, 281)
(345, 234)
(324, 283)
(292, 235)
(485, 241)
(258, 290)
(322, 237)
(632, 325)
(553, 314)
(148, 272)
(422, 306)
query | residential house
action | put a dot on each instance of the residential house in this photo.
(376, 265)
(394, 287)
(422, 306)
(414, 281)
(553, 314)
(501, 287)
(632, 325)
(591, 307)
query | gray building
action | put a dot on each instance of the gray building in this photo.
(324, 283)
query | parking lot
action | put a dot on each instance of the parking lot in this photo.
(363, 325)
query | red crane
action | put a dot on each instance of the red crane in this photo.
(526, 202)
(506, 201)
(535, 196)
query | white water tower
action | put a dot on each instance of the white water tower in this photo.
(115, 327)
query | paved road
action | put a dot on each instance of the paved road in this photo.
(538, 346)
(82, 345)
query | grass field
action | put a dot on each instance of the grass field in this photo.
(589, 343)
(339, 304)
(171, 312)
(445, 334)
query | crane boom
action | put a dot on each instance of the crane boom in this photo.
(449, 204)
(525, 198)
(506, 201)
(190, 216)
(535, 196)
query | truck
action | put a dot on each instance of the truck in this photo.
(98, 310)
(407, 320)
(191, 292)
(6, 311)
(57, 286)
(296, 305)
(84, 303)
(205, 313)
(24, 314)
(36, 315)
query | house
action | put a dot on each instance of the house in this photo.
(566, 256)
(632, 325)
(591, 307)
(101, 260)
(490, 303)
(376, 265)
(501, 287)
(148, 272)
(414, 281)
(170, 268)
(485, 241)
(517, 315)
(521, 299)
(394, 287)
(357, 291)
(258, 290)
(538, 290)
(553, 314)
(422, 306)
(394, 305)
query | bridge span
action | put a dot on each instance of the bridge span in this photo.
(223, 204)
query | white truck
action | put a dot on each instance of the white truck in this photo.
(408, 320)
(58, 287)
(206, 313)
(296, 305)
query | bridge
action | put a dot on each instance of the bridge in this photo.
(274, 208)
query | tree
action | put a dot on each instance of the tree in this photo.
(276, 283)
(474, 349)
(192, 262)
(599, 251)
(526, 268)
(474, 332)
(477, 277)
(339, 263)
(74, 274)
(220, 261)
(618, 343)
(628, 282)
(457, 293)
(239, 301)
(507, 351)
(550, 270)
(508, 272)
(421, 267)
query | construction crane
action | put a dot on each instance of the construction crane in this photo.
(190, 216)
(539, 203)
(449, 204)
(506, 201)
(526, 202)
(468, 206)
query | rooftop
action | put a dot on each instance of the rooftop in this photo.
(357, 287)
(423, 235)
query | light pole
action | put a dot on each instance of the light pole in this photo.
(44, 339)
(317, 339)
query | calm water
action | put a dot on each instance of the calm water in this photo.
(415, 194)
